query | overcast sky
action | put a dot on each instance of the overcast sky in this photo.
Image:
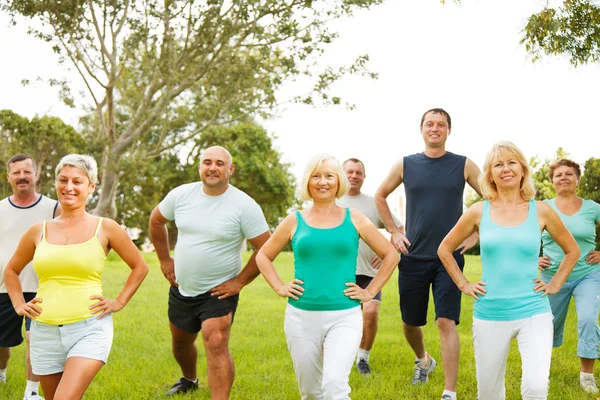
(466, 59)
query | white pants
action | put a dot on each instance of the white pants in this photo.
(323, 346)
(491, 340)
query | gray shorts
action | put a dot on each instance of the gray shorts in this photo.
(363, 281)
(51, 345)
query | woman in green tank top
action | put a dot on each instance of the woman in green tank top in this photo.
(323, 321)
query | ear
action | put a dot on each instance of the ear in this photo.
(231, 169)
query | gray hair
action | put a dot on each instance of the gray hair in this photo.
(83, 162)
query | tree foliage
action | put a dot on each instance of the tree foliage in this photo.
(572, 29)
(47, 139)
(160, 73)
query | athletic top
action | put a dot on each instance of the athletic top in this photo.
(325, 260)
(69, 275)
(211, 232)
(366, 205)
(434, 200)
(509, 259)
(14, 222)
(582, 226)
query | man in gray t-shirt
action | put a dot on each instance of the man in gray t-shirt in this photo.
(213, 218)
(367, 262)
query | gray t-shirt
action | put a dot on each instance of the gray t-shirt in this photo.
(211, 233)
(365, 204)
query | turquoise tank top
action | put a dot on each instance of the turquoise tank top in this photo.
(325, 260)
(509, 258)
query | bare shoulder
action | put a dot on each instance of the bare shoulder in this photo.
(544, 209)
(474, 212)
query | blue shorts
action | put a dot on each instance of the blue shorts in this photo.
(51, 345)
(414, 280)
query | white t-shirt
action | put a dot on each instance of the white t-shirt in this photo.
(211, 233)
(365, 204)
(14, 222)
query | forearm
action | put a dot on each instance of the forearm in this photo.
(134, 281)
(13, 287)
(385, 214)
(447, 259)
(267, 269)
(159, 236)
(564, 269)
(388, 264)
(250, 271)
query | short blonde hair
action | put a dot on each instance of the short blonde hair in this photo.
(83, 162)
(310, 168)
(486, 183)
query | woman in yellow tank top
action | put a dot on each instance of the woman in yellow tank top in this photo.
(72, 330)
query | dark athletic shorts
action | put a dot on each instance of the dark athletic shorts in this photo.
(188, 313)
(414, 279)
(363, 281)
(11, 323)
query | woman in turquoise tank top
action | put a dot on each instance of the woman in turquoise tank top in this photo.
(581, 217)
(323, 321)
(510, 299)
(72, 331)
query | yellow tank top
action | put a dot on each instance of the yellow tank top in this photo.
(69, 275)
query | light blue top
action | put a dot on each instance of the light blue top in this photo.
(211, 231)
(509, 258)
(582, 226)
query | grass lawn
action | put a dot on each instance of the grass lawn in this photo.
(141, 365)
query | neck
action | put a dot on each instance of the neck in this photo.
(24, 199)
(324, 206)
(353, 192)
(435, 152)
(73, 214)
(563, 198)
(215, 191)
(509, 197)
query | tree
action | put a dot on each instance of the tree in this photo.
(47, 139)
(572, 29)
(160, 73)
(543, 185)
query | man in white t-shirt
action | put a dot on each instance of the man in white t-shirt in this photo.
(213, 218)
(17, 213)
(367, 262)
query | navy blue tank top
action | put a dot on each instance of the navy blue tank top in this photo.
(434, 200)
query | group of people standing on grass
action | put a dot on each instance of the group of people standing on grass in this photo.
(341, 263)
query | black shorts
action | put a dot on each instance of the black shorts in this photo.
(363, 281)
(11, 323)
(188, 313)
(414, 279)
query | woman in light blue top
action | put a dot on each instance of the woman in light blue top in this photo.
(583, 284)
(510, 299)
(323, 321)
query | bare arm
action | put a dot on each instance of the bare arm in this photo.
(159, 236)
(390, 183)
(383, 248)
(264, 259)
(247, 275)
(466, 225)
(21, 257)
(472, 173)
(122, 244)
(561, 235)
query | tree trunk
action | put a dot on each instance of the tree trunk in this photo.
(107, 206)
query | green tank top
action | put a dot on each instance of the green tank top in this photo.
(325, 260)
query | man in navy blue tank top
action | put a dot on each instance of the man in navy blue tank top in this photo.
(434, 182)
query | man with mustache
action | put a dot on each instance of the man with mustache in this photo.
(17, 213)
(212, 218)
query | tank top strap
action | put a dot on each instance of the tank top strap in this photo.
(532, 211)
(98, 227)
(44, 230)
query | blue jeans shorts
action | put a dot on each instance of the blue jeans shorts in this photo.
(586, 292)
(51, 345)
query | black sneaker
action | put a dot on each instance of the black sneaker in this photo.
(363, 366)
(183, 385)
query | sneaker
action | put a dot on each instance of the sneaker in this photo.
(446, 397)
(588, 384)
(363, 366)
(2, 379)
(33, 396)
(183, 385)
(422, 370)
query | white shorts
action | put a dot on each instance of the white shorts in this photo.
(51, 345)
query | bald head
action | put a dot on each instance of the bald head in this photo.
(217, 152)
(215, 169)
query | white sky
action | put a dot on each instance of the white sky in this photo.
(466, 59)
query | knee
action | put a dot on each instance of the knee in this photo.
(371, 312)
(446, 325)
(534, 389)
(336, 390)
(216, 342)
(587, 321)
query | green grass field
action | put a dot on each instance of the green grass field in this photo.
(141, 365)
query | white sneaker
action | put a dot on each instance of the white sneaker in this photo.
(33, 396)
(2, 379)
(588, 384)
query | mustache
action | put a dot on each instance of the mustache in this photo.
(22, 181)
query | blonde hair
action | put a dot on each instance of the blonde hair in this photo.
(486, 183)
(311, 167)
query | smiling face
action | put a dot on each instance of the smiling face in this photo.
(215, 168)
(22, 177)
(323, 183)
(355, 174)
(565, 180)
(435, 129)
(73, 187)
(506, 171)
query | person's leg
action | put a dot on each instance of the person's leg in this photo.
(221, 370)
(370, 321)
(535, 345)
(450, 346)
(184, 351)
(491, 343)
(559, 303)
(4, 357)
(304, 334)
(33, 380)
(49, 384)
(587, 303)
(10, 332)
(342, 337)
(77, 376)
